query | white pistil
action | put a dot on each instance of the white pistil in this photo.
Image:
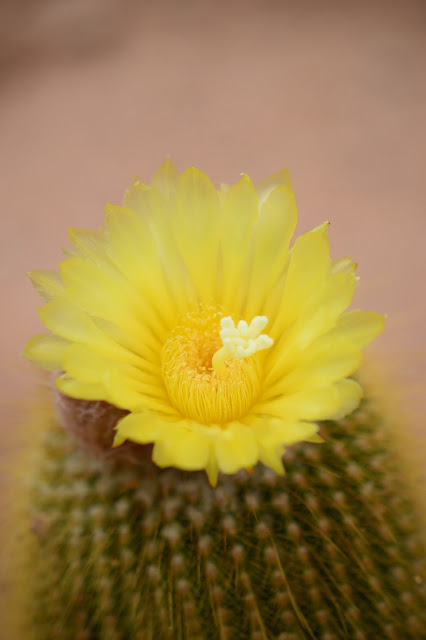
(240, 341)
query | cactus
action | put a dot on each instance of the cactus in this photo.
(123, 551)
(164, 376)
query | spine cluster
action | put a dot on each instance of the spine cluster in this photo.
(333, 550)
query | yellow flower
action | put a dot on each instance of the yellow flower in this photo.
(190, 311)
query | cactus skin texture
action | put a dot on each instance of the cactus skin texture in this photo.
(334, 550)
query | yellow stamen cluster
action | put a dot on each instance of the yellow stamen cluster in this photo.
(208, 382)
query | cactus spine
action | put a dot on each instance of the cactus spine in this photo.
(333, 550)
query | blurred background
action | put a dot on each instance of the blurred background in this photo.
(94, 92)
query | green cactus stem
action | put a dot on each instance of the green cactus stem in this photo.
(333, 550)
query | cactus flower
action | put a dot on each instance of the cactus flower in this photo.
(191, 312)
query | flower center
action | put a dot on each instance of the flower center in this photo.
(211, 368)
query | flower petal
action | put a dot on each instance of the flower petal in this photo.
(278, 433)
(80, 390)
(240, 211)
(350, 394)
(343, 265)
(236, 448)
(133, 248)
(68, 321)
(308, 265)
(196, 229)
(137, 427)
(316, 403)
(89, 245)
(47, 351)
(84, 363)
(358, 327)
(165, 178)
(273, 437)
(180, 444)
(318, 316)
(268, 258)
(324, 363)
(48, 284)
(183, 447)
(91, 289)
(137, 395)
(274, 180)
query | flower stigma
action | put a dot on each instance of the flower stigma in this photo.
(240, 342)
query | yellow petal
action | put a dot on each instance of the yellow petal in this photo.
(84, 363)
(343, 265)
(318, 316)
(133, 249)
(165, 178)
(330, 402)
(80, 390)
(144, 246)
(90, 288)
(273, 435)
(308, 265)
(212, 470)
(276, 433)
(137, 427)
(276, 179)
(89, 245)
(137, 395)
(68, 321)
(196, 228)
(236, 448)
(271, 238)
(47, 351)
(137, 197)
(177, 444)
(239, 213)
(271, 456)
(126, 348)
(47, 283)
(358, 327)
(324, 308)
(350, 394)
(322, 228)
(182, 447)
(318, 403)
(324, 363)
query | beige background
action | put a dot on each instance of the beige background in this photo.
(94, 92)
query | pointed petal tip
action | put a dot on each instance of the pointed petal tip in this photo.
(315, 439)
(193, 171)
(279, 468)
(212, 479)
(35, 274)
(165, 177)
(323, 228)
(244, 177)
(118, 439)
(212, 471)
